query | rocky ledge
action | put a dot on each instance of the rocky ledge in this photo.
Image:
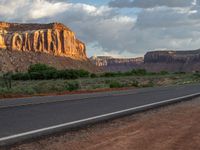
(108, 63)
(174, 61)
(54, 38)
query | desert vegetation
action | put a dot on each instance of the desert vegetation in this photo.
(42, 79)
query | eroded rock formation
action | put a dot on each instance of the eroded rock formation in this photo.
(108, 63)
(173, 61)
(153, 61)
(53, 44)
(54, 38)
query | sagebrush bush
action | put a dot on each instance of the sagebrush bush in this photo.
(115, 84)
(139, 72)
(44, 72)
(39, 68)
(135, 83)
(72, 85)
(163, 72)
(149, 84)
(93, 75)
(21, 76)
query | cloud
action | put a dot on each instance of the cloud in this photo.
(165, 17)
(25, 10)
(150, 3)
(105, 30)
(100, 25)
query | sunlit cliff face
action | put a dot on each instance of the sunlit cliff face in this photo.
(55, 39)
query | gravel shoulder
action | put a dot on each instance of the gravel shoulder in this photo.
(175, 127)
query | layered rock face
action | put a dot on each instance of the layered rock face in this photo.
(187, 61)
(53, 44)
(108, 63)
(55, 39)
(153, 61)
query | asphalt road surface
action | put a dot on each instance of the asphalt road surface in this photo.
(21, 122)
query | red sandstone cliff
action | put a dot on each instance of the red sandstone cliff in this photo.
(54, 44)
(54, 38)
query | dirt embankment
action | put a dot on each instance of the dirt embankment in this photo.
(171, 128)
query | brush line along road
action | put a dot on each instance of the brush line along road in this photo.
(36, 119)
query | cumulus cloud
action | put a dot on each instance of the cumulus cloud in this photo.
(161, 24)
(101, 26)
(150, 3)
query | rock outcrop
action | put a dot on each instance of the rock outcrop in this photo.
(54, 44)
(108, 63)
(174, 61)
(153, 61)
(54, 38)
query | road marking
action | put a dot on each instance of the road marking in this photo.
(3, 139)
(88, 96)
(96, 95)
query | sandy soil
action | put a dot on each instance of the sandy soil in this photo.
(174, 127)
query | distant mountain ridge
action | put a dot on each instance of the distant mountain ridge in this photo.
(108, 63)
(185, 61)
(154, 61)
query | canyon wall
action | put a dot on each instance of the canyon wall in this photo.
(173, 61)
(153, 61)
(54, 39)
(53, 44)
(108, 63)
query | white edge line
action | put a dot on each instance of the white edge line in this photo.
(91, 118)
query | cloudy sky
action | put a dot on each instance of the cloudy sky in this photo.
(122, 28)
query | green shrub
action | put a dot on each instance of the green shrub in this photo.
(63, 74)
(83, 73)
(149, 84)
(140, 72)
(108, 81)
(179, 73)
(50, 74)
(7, 78)
(72, 86)
(21, 76)
(72, 74)
(196, 75)
(37, 76)
(93, 75)
(115, 84)
(135, 83)
(45, 72)
(5, 90)
(41, 72)
(39, 68)
(27, 90)
(163, 72)
(109, 74)
(128, 73)
(152, 73)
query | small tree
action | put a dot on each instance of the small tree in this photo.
(7, 77)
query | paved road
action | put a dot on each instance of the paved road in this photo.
(25, 121)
